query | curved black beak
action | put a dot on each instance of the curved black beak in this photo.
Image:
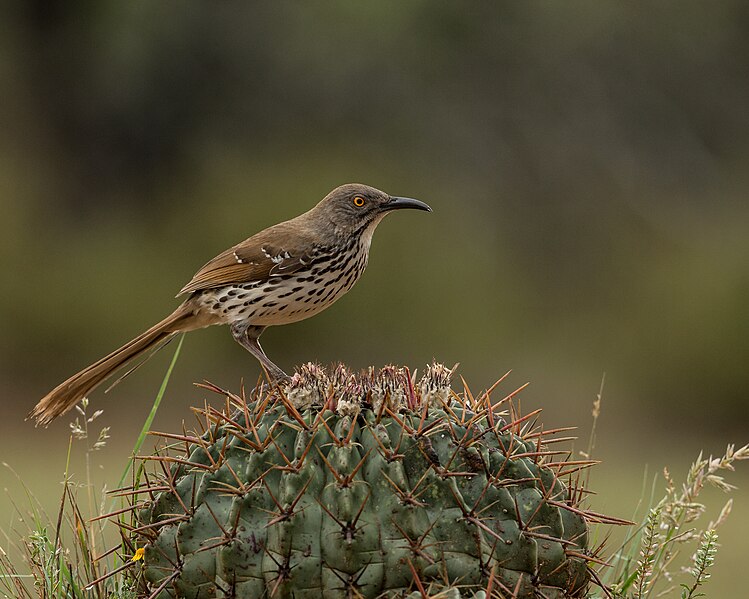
(397, 203)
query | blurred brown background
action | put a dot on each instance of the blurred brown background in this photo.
(586, 162)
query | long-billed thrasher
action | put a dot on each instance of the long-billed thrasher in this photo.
(286, 273)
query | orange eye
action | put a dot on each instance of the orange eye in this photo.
(358, 201)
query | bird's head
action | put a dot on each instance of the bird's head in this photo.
(356, 209)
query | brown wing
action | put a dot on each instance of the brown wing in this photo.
(274, 251)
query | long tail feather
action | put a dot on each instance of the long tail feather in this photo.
(63, 397)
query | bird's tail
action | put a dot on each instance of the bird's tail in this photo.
(63, 397)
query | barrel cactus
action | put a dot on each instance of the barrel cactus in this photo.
(376, 484)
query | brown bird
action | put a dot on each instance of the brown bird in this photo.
(286, 273)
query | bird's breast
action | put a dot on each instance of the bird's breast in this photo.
(287, 298)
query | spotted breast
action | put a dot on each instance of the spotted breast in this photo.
(286, 298)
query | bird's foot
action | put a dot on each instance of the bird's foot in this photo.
(282, 381)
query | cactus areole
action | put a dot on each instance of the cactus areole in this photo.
(370, 485)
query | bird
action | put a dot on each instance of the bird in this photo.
(281, 275)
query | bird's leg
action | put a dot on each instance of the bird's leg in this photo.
(247, 337)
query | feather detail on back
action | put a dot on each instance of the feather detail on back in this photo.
(274, 251)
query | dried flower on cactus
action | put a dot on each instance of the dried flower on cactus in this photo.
(435, 384)
(308, 386)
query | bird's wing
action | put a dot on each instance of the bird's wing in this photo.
(274, 251)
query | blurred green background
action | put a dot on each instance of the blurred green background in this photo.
(586, 162)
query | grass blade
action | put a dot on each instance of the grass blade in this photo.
(152, 413)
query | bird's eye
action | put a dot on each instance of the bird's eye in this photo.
(358, 201)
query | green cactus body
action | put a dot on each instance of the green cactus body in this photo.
(362, 486)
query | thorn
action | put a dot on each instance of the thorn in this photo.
(592, 516)
(136, 492)
(213, 388)
(350, 580)
(515, 392)
(118, 512)
(521, 524)
(261, 444)
(172, 460)
(406, 498)
(92, 584)
(516, 590)
(159, 524)
(552, 431)
(570, 471)
(281, 453)
(599, 582)
(350, 435)
(586, 463)
(416, 545)
(538, 454)
(486, 395)
(388, 454)
(291, 410)
(284, 570)
(517, 422)
(216, 520)
(348, 479)
(587, 558)
(220, 486)
(417, 580)
(334, 438)
(185, 438)
(490, 584)
(330, 467)
(286, 514)
(105, 554)
(539, 535)
(402, 423)
(221, 543)
(361, 508)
